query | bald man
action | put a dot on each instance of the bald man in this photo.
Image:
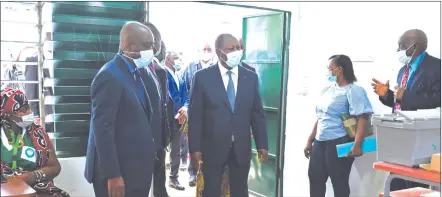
(418, 82)
(121, 149)
(241, 46)
(224, 104)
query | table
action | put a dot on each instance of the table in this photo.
(406, 173)
(16, 188)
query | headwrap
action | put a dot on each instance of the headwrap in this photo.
(11, 101)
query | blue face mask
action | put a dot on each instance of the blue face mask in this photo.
(330, 76)
(145, 59)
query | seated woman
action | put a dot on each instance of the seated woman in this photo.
(339, 99)
(26, 150)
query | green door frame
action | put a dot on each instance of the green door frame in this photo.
(284, 83)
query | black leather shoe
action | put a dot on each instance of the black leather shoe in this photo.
(192, 181)
(176, 185)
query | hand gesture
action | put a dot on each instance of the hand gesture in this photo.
(115, 187)
(380, 88)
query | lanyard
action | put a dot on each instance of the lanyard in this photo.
(15, 144)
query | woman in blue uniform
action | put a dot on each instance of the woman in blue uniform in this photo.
(339, 98)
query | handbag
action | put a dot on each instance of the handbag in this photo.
(225, 185)
(351, 124)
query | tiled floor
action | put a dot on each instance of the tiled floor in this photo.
(184, 180)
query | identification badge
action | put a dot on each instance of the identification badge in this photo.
(29, 153)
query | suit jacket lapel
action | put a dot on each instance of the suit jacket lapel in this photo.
(220, 85)
(130, 77)
(416, 75)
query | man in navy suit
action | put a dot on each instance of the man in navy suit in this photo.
(179, 95)
(418, 83)
(121, 148)
(224, 104)
(419, 78)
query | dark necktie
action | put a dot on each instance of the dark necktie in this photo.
(141, 91)
(231, 91)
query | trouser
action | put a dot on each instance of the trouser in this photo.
(175, 151)
(184, 154)
(238, 177)
(325, 163)
(159, 179)
(100, 189)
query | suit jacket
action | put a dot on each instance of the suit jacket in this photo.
(121, 140)
(212, 122)
(423, 89)
(248, 67)
(179, 95)
(163, 133)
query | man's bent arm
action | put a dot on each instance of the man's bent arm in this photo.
(259, 120)
(106, 95)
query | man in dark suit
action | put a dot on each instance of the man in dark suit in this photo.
(164, 133)
(245, 65)
(224, 104)
(178, 92)
(121, 148)
(418, 80)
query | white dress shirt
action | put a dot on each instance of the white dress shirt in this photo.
(175, 76)
(225, 76)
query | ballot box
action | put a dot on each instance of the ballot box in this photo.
(408, 138)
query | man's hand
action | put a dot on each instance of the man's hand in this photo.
(380, 88)
(263, 155)
(196, 159)
(398, 92)
(115, 187)
(182, 115)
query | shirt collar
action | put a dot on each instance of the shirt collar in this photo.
(224, 70)
(130, 65)
(415, 64)
(169, 70)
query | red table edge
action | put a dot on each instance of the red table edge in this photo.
(407, 171)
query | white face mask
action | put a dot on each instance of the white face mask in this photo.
(402, 56)
(145, 59)
(234, 58)
(26, 121)
(206, 56)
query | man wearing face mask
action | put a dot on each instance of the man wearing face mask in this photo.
(121, 148)
(245, 65)
(419, 83)
(224, 104)
(163, 134)
(179, 94)
(206, 57)
(419, 78)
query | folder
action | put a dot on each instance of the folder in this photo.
(368, 145)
